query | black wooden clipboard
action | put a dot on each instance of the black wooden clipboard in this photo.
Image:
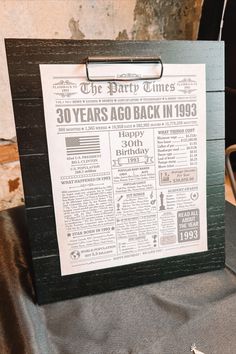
(24, 57)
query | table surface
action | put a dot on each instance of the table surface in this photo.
(161, 318)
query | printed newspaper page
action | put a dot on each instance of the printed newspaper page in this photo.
(128, 165)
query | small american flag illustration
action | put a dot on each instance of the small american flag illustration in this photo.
(83, 145)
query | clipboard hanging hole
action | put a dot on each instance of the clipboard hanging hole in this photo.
(123, 68)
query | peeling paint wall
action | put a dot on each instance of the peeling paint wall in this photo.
(11, 190)
(88, 19)
(168, 19)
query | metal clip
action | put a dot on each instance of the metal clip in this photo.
(194, 349)
(152, 71)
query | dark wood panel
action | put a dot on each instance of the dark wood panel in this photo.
(42, 231)
(215, 115)
(36, 180)
(215, 215)
(215, 162)
(25, 55)
(54, 288)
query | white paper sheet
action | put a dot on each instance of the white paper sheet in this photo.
(128, 165)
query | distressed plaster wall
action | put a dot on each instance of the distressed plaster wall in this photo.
(90, 19)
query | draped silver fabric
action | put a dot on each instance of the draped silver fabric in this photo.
(162, 318)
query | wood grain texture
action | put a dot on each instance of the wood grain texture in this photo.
(24, 57)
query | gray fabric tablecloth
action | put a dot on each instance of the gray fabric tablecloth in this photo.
(161, 318)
